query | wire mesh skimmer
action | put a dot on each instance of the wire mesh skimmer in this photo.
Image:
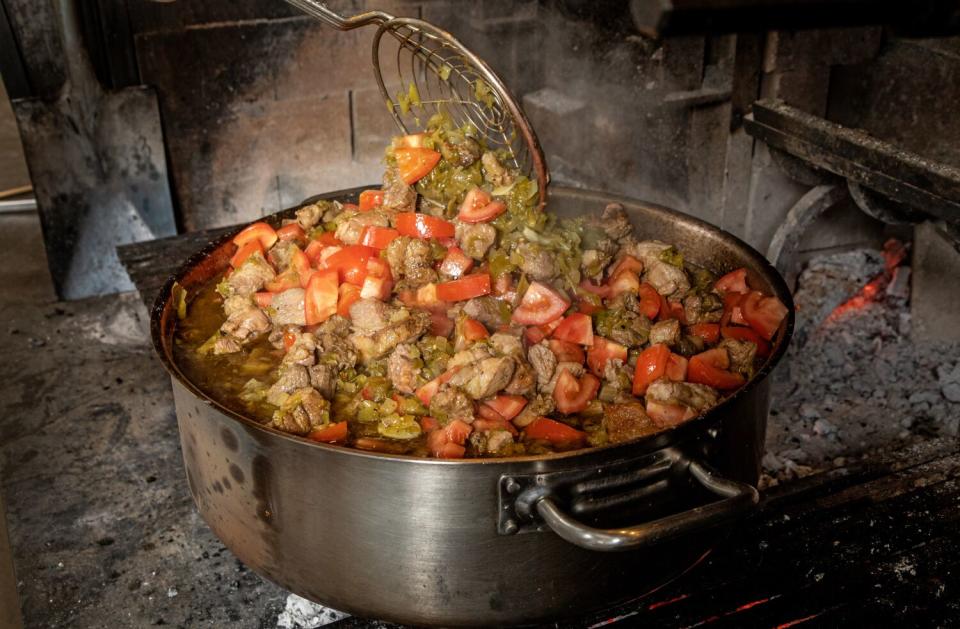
(436, 73)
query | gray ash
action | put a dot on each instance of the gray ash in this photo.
(854, 383)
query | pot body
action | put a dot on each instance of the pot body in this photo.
(417, 540)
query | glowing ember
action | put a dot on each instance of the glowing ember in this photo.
(894, 253)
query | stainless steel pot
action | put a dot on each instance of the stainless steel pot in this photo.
(478, 542)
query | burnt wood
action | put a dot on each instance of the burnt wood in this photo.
(873, 544)
(926, 185)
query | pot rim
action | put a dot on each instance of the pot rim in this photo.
(628, 449)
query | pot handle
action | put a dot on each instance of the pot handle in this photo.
(737, 498)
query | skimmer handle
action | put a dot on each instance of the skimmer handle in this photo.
(320, 11)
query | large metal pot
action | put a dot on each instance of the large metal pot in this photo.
(469, 542)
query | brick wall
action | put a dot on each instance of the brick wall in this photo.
(263, 106)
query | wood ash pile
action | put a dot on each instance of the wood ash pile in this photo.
(854, 383)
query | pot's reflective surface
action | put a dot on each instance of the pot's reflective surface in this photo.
(417, 540)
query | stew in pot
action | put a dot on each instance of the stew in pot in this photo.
(445, 315)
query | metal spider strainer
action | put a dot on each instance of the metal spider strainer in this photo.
(434, 73)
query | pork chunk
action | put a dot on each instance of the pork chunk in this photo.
(524, 379)
(370, 315)
(475, 240)
(624, 422)
(309, 215)
(405, 326)
(494, 441)
(450, 403)
(544, 363)
(493, 170)
(352, 223)
(695, 396)
(485, 378)
(702, 308)
(536, 261)
(323, 378)
(251, 276)
(292, 377)
(403, 368)
(665, 332)
(488, 310)
(302, 351)
(539, 406)
(615, 222)
(287, 308)
(507, 344)
(742, 355)
(246, 324)
(397, 195)
(302, 411)
(463, 153)
(411, 261)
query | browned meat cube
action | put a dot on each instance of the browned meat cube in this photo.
(624, 422)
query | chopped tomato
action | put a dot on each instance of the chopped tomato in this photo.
(467, 287)
(456, 263)
(285, 281)
(624, 282)
(415, 162)
(534, 334)
(488, 413)
(668, 415)
(627, 263)
(554, 432)
(671, 310)
(263, 299)
(540, 304)
(587, 308)
(329, 239)
(651, 365)
(676, 368)
(710, 368)
(566, 352)
(732, 282)
(507, 406)
(350, 263)
(572, 395)
(428, 424)
(320, 299)
(492, 421)
(292, 232)
(600, 290)
(602, 351)
(258, 231)
(300, 263)
(457, 431)
(649, 300)
(331, 434)
(419, 225)
(245, 252)
(478, 207)
(709, 332)
(348, 295)
(576, 328)
(472, 330)
(313, 249)
(746, 334)
(370, 199)
(732, 312)
(378, 237)
(763, 313)
(427, 391)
